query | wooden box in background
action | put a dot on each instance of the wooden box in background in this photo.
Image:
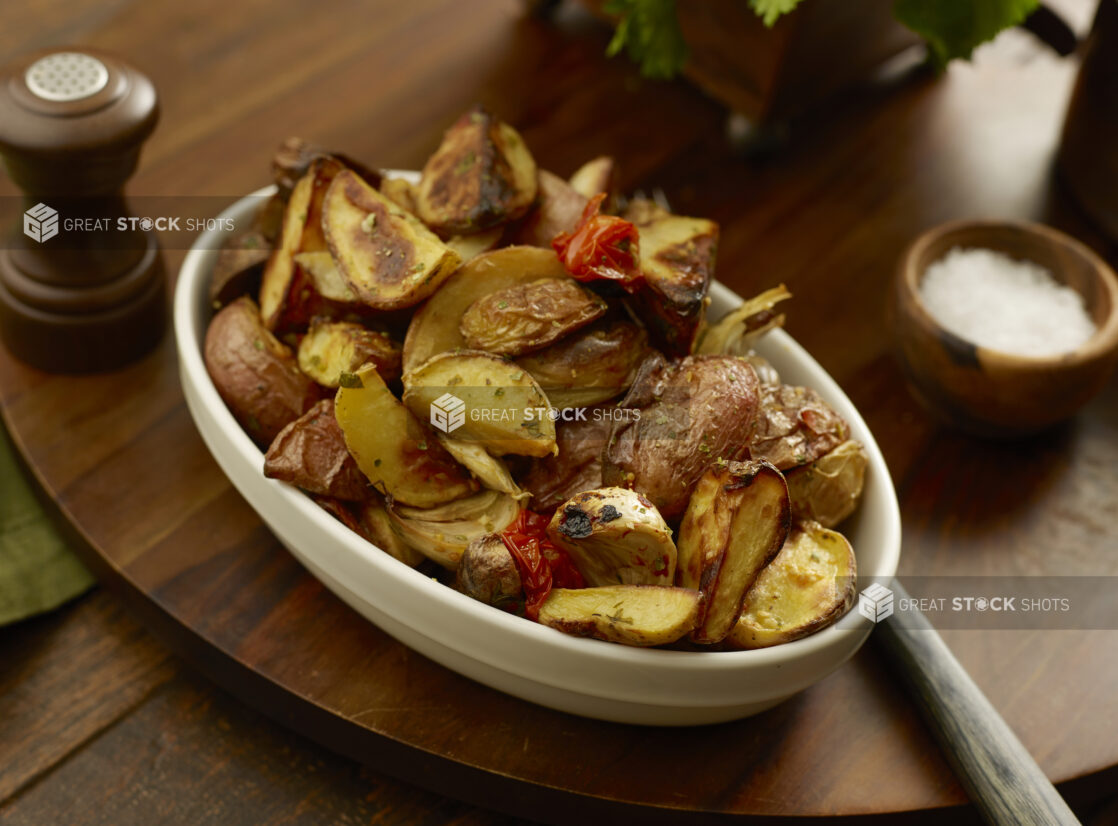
(774, 74)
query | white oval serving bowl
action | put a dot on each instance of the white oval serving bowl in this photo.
(514, 655)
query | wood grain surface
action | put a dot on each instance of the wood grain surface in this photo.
(828, 216)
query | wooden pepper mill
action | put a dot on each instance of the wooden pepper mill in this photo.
(81, 285)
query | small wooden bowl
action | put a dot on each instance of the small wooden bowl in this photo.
(988, 392)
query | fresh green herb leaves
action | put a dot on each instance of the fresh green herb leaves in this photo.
(349, 380)
(954, 28)
(771, 10)
(648, 31)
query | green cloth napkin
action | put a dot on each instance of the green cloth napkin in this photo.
(38, 571)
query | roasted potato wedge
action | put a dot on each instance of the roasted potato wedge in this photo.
(442, 534)
(598, 175)
(795, 427)
(558, 209)
(478, 397)
(333, 348)
(829, 489)
(255, 373)
(238, 268)
(615, 536)
(552, 480)
(526, 317)
(481, 175)
(590, 366)
(677, 261)
(487, 468)
(641, 615)
(809, 585)
(736, 522)
(325, 279)
(737, 331)
(279, 272)
(385, 254)
(684, 416)
(311, 453)
(434, 328)
(488, 573)
(400, 456)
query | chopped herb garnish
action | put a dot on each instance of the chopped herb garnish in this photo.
(351, 381)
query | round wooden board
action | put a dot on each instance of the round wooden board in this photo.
(119, 456)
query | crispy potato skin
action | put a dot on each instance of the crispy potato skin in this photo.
(434, 328)
(552, 480)
(331, 348)
(795, 427)
(239, 267)
(809, 585)
(615, 536)
(691, 413)
(400, 457)
(481, 175)
(558, 209)
(310, 453)
(641, 615)
(489, 574)
(526, 317)
(591, 365)
(256, 374)
(279, 272)
(385, 254)
(736, 522)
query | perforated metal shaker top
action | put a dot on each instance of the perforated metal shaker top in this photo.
(66, 76)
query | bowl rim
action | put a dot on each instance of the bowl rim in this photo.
(190, 296)
(1102, 343)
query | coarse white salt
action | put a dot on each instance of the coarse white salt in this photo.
(1003, 304)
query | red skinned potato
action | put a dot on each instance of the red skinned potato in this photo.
(795, 427)
(526, 317)
(590, 366)
(736, 522)
(311, 453)
(238, 268)
(558, 209)
(684, 415)
(255, 373)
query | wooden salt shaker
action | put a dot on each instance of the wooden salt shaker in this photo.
(90, 299)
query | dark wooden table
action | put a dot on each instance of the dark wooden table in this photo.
(99, 723)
